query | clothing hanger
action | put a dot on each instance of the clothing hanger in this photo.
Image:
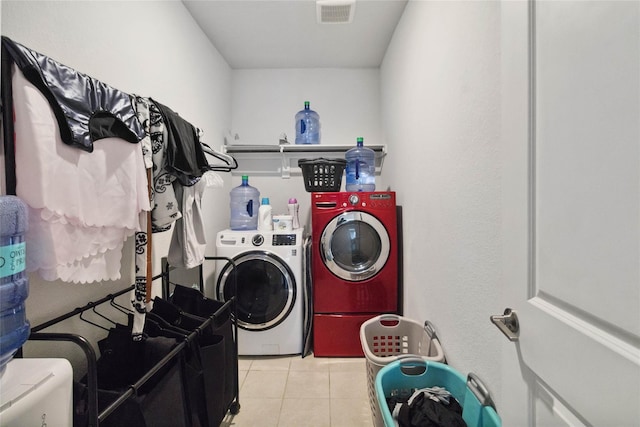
(155, 326)
(193, 301)
(228, 160)
(124, 310)
(175, 316)
(102, 315)
(91, 323)
(119, 307)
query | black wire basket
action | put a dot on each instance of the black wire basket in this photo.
(322, 174)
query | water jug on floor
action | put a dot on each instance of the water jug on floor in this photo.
(361, 168)
(245, 201)
(14, 282)
(307, 126)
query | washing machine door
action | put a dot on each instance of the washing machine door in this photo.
(266, 289)
(355, 246)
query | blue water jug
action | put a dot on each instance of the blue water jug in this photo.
(14, 282)
(361, 168)
(245, 201)
(307, 126)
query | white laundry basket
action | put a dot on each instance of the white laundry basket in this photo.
(389, 337)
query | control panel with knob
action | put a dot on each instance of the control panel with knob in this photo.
(257, 240)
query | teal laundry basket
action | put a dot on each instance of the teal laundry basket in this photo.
(405, 375)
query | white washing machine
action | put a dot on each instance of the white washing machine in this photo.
(268, 271)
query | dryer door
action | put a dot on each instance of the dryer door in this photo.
(266, 289)
(355, 246)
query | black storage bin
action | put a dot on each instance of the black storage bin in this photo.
(216, 349)
(160, 402)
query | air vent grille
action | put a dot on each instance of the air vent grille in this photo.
(335, 11)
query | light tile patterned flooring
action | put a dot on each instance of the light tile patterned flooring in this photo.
(283, 391)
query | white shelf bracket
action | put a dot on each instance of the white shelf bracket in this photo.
(286, 167)
(383, 154)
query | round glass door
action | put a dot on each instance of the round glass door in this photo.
(266, 289)
(355, 246)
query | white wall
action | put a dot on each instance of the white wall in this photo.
(265, 102)
(435, 102)
(441, 106)
(151, 48)
(259, 105)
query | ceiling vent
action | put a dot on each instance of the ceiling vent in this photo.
(335, 11)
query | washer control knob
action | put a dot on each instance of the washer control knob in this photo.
(257, 240)
(354, 199)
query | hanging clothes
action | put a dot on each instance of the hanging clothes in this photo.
(185, 158)
(82, 206)
(186, 161)
(142, 261)
(85, 108)
(165, 205)
(189, 240)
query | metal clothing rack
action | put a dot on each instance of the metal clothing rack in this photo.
(95, 417)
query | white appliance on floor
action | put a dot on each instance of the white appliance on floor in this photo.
(267, 270)
(36, 392)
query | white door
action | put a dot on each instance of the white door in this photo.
(571, 144)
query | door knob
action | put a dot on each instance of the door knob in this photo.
(508, 324)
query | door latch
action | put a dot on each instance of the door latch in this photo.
(508, 324)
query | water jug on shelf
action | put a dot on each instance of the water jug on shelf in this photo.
(307, 126)
(245, 201)
(361, 168)
(14, 282)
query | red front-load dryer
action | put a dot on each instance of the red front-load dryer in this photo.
(354, 266)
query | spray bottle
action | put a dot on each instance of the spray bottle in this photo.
(294, 207)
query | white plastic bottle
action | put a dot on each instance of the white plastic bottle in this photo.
(265, 221)
(294, 207)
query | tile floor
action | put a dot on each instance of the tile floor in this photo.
(283, 391)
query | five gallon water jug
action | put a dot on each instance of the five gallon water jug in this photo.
(361, 168)
(14, 283)
(245, 201)
(307, 126)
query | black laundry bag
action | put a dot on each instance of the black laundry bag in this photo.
(219, 355)
(176, 316)
(205, 365)
(159, 402)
